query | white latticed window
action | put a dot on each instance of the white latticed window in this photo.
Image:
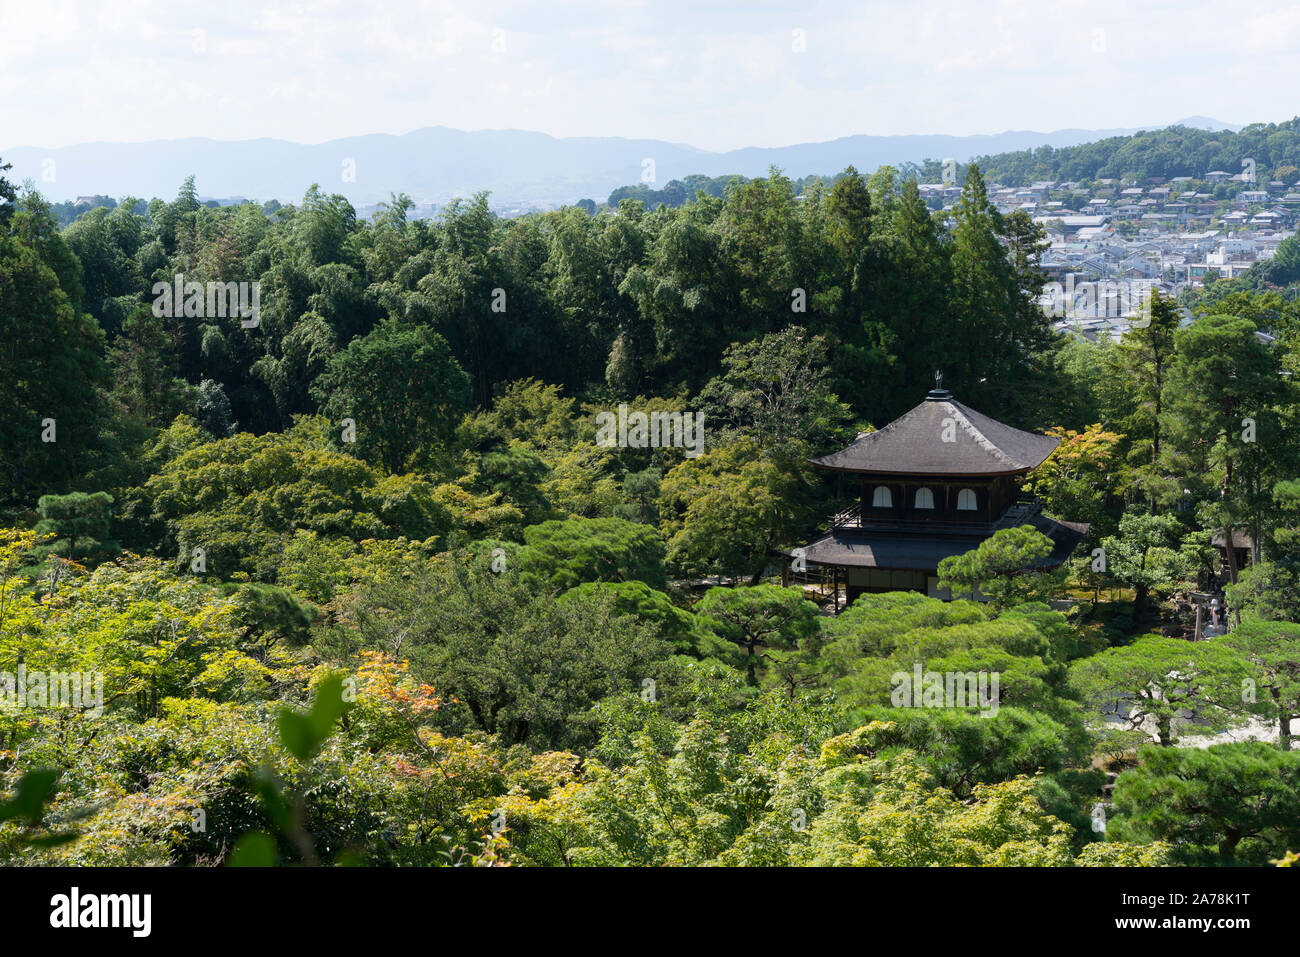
(966, 500)
(924, 498)
(881, 498)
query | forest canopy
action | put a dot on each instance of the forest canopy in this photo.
(358, 581)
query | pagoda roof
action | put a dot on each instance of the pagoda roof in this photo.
(1240, 539)
(868, 548)
(913, 444)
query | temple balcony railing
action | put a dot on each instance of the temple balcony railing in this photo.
(1018, 513)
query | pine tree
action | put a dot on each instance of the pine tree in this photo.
(982, 350)
(1143, 358)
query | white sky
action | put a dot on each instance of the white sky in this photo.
(706, 72)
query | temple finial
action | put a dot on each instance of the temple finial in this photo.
(937, 394)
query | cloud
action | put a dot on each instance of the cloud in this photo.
(1273, 31)
(716, 73)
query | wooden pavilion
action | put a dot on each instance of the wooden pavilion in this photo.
(933, 483)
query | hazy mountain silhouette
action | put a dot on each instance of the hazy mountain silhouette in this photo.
(436, 163)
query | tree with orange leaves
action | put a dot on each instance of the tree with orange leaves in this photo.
(1079, 476)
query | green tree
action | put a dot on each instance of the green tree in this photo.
(515, 475)
(1155, 680)
(1228, 803)
(51, 413)
(403, 389)
(1077, 480)
(563, 554)
(1222, 388)
(517, 663)
(1269, 591)
(775, 393)
(1006, 567)
(242, 499)
(1273, 647)
(687, 633)
(727, 509)
(79, 518)
(899, 303)
(765, 620)
(1143, 358)
(8, 195)
(143, 362)
(1144, 555)
(270, 614)
(982, 356)
(964, 748)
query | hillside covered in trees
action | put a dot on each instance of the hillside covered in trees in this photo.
(1167, 153)
(1154, 155)
(359, 582)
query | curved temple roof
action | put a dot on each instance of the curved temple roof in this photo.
(866, 548)
(942, 437)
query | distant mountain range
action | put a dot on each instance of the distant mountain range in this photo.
(436, 163)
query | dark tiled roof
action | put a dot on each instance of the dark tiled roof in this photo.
(913, 444)
(1240, 539)
(918, 551)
